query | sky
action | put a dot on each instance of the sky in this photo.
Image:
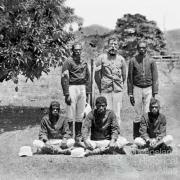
(166, 13)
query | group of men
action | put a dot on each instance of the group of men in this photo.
(98, 130)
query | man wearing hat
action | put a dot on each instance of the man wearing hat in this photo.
(54, 134)
(153, 131)
(100, 129)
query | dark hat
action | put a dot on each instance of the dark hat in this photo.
(55, 104)
(100, 100)
(154, 101)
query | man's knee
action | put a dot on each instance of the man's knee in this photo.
(139, 141)
(38, 144)
(122, 141)
(70, 143)
(168, 139)
(102, 143)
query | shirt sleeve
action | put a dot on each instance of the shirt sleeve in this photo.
(130, 78)
(162, 129)
(155, 83)
(123, 69)
(43, 132)
(86, 126)
(88, 82)
(98, 73)
(143, 129)
(115, 126)
(65, 78)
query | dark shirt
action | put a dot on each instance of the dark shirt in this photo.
(54, 130)
(142, 73)
(153, 127)
(74, 73)
(100, 128)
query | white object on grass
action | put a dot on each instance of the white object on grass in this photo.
(78, 152)
(25, 151)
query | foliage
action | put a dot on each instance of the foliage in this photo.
(32, 36)
(132, 28)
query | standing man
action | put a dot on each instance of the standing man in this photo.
(142, 83)
(110, 75)
(75, 83)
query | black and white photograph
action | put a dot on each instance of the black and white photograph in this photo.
(89, 90)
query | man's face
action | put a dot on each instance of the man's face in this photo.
(142, 48)
(154, 109)
(77, 50)
(55, 111)
(101, 108)
(113, 47)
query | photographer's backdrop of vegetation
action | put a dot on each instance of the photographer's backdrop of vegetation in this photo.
(34, 43)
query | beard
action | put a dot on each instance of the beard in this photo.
(112, 52)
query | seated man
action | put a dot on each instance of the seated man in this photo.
(153, 137)
(100, 130)
(54, 134)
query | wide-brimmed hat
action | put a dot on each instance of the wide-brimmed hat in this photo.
(78, 152)
(25, 151)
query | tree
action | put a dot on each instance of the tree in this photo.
(132, 28)
(32, 36)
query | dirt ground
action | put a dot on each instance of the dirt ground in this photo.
(19, 126)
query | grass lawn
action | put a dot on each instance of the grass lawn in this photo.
(19, 126)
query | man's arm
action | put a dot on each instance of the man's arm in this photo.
(155, 83)
(65, 78)
(123, 70)
(162, 130)
(143, 129)
(130, 78)
(88, 80)
(86, 130)
(43, 132)
(115, 126)
(67, 133)
(98, 73)
(86, 126)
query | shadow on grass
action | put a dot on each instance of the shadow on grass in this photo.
(18, 118)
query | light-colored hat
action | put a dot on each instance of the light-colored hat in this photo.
(25, 151)
(168, 139)
(139, 141)
(78, 152)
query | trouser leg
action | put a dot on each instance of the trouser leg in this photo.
(138, 111)
(78, 126)
(117, 104)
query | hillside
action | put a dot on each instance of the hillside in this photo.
(173, 40)
(94, 29)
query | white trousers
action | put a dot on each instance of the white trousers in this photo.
(75, 111)
(168, 139)
(142, 99)
(114, 102)
(121, 141)
(40, 144)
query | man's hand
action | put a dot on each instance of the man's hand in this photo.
(153, 142)
(44, 140)
(68, 100)
(132, 101)
(112, 144)
(64, 144)
(88, 145)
